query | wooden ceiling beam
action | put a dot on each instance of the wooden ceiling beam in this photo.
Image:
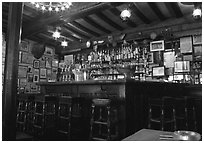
(109, 21)
(157, 11)
(116, 12)
(75, 31)
(67, 35)
(47, 19)
(85, 29)
(96, 25)
(174, 9)
(138, 13)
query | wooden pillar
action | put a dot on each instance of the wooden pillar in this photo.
(11, 70)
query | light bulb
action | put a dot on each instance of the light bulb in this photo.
(50, 8)
(64, 43)
(62, 8)
(197, 13)
(57, 9)
(43, 7)
(125, 14)
(37, 5)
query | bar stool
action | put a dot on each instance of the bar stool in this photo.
(22, 120)
(162, 112)
(77, 119)
(180, 113)
(190, 112)
(103, 120)
(44, 116)
(103, 105)
(22, 113)
(64, 116)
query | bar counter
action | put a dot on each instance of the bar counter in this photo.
(130, 94)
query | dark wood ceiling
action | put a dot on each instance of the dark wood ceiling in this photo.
(93, 20)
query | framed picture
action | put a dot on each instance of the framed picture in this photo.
(198, 50)
(22, 82)
(150, 58)
(22, 71)
(186, 44)
(36, 78)
(49, 51)
(36, 72)
(36, 64)
(24, 46)
(48, 62)
(24, 57)
(33, 88)
(197, 39)
(182, 66)
(30, 77)
(43, 73)
(187, 57)
(42, 62)
(157, 46)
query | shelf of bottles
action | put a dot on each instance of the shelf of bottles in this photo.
(127, 61)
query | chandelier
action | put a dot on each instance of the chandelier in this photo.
(52, 6)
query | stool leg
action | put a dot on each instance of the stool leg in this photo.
(150, 116)
(108, 121)
(91, 122)
(162, 119)
(194, 118)
(174, 117)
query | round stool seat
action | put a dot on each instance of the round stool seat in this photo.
(101, 101)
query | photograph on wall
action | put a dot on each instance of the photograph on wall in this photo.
(188, 57)
(42, 62)
(42, 73)
(22, 71)
(36, 72)
(30, 58)
(197, 39)
(24, 46)
(157, 46)
(30, 77)
(150, 58)
(49, 72)
(169, 59)
(24, 57)
(22, 82)
(49, 51)
(33, 87)
(158, 57)
(182, 66)
(27, 88)
(48, 62)
(198, 52)
(36, 78)
(36, 64)
(186, 44)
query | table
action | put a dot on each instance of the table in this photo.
(148, 135)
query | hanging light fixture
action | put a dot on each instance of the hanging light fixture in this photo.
(125, 14)
(56, 34)
(197, 12)
(52, 6)
(64, 43)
